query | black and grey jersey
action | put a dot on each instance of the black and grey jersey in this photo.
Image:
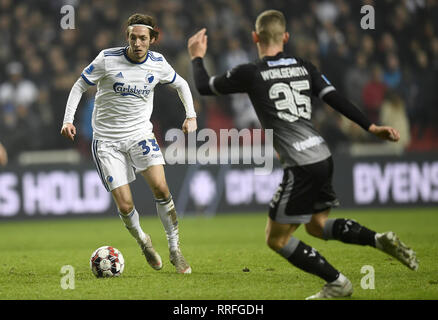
(280, 88)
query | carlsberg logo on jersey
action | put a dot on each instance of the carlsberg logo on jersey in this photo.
(128, 90)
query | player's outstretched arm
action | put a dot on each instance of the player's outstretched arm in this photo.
(344, 106)
(197, 47)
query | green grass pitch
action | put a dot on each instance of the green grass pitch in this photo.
(218, 249)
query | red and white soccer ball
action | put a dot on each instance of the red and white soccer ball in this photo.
(107, 262)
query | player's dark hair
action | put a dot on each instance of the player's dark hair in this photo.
(138, 18)
(270, 26)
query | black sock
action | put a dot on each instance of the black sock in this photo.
(308, 259)
(349, 231)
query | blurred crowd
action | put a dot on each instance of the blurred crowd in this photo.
(389, 72)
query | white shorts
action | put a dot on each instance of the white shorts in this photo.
(118, 162)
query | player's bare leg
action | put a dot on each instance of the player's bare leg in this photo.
(123, 198)
(316, 225)
(278, 234)
(349, 231)
(156, 179)
(279, 238)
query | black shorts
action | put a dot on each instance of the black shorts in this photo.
(305, 190)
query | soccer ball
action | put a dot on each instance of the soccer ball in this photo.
(106, 262)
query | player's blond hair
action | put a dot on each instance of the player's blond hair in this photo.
(270, 27)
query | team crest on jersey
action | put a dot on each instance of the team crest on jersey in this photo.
(149, 77)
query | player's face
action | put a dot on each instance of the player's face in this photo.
(139, 41)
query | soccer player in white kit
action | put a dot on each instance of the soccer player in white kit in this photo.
(122, 131)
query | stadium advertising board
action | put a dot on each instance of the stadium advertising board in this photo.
(388, 181)
(43, 191)
(398, 182)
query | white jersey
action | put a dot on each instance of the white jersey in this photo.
(125, 92)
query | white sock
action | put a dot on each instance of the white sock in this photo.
(341, 278)
(132, 223)
(167, 213)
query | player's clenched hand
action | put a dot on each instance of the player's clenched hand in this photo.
(68, 130)
(385, 133)
(197, 44)
(189, 125)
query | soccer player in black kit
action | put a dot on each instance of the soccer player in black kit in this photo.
(280, 87)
